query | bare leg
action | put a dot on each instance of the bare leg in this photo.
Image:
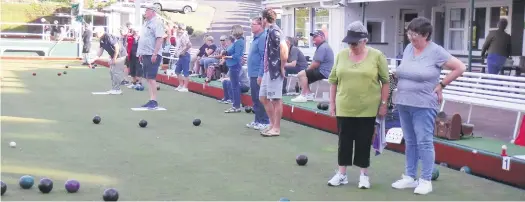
(303, 81)
(186, 81)
(277, 105)
(181, 80)
(152, 83)
(268, 107)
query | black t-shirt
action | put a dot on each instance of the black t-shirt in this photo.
(108, 42)
(213, 47)
(202, 50)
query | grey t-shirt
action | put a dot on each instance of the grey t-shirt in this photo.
(297, 55)
(419, 75)
(324, 55)
(151, 30)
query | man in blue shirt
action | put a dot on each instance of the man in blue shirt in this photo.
(255, 62)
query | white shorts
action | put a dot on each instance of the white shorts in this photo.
(271, 89)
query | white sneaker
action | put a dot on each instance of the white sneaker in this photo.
(131, 86)
(261, 126)
(423, 187)
(405, 182)
(178, 88)
(183, 90)
(251, 125)
(364, 182)
(338, 179)
(300, 98)
(115, 92)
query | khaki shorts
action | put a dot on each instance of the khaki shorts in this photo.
(271, 89)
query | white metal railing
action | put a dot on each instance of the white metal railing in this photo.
(44, 30)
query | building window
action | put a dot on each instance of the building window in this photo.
(302, 26)
(321, 19)
(457, 28)
(375, 30)
(478, 34)
(496, 13)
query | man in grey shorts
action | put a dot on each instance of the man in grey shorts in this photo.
(150, 43)
(117, 57)
(272, 75)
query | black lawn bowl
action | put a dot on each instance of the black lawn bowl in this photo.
(110, 195)
(4, 187)
(143, 123)
(248, 109)
(96, 119)
(46, 185)
(301, 160)
(196, 122)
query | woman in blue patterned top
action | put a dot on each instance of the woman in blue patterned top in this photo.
(233, 59)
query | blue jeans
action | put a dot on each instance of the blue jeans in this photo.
(495, 62)
(234, 74)
(418, 131)
(207, 61)
(227, 88)
(260, 113)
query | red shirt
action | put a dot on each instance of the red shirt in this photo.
(131, 40)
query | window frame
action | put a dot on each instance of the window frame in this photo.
(378, 20)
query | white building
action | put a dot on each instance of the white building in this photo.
(386, 21)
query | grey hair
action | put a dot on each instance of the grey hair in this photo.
(223, 37)
(357, 26)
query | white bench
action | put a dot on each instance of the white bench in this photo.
(21, 48)
(495, 91)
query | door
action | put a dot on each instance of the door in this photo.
(438, 20)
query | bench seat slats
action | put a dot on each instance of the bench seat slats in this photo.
(487, 92)
(485, 102)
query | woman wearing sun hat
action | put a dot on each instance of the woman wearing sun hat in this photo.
(359, 85)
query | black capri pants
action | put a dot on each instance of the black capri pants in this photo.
(358, 130)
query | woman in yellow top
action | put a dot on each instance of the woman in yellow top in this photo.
(358, 94)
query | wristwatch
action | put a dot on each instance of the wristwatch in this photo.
(383, 102)
(442, 85)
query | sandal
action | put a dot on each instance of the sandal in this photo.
(269, 133)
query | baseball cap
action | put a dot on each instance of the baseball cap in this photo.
(152, 7)
(317, 33)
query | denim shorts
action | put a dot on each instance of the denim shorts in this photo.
(183, 65)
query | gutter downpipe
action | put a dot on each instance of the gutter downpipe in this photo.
(470, 31)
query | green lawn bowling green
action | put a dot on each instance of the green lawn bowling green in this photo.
(49, 117)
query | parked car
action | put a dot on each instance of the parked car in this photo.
(181, 6)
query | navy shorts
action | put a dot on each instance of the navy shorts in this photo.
(150, 69)
(183, 65)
